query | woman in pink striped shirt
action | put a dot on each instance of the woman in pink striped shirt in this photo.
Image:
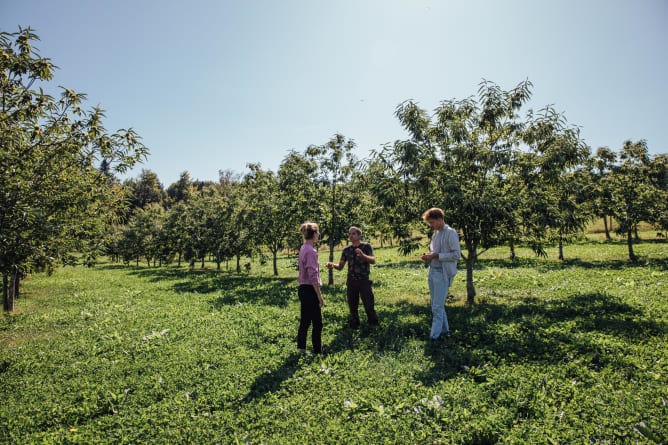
(309, 290)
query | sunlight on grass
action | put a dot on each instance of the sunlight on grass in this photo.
(568, 352)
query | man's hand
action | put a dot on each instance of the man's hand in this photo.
(427, 256)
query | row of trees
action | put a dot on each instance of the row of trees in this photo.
(543, 187)
(246, 215)
(502, 178)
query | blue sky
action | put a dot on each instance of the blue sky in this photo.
(213, 85)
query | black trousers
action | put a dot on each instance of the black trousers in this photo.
(310, 314)
(355, 290)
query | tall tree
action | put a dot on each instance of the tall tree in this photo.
(659, 171)
(240, 239)
(296, 178)
(180, 190)
(196, 220)
(559, 156)
(266, 201)
(336, 163)
(146, 226)
(601, 165)
(145, 190)
(393, 175)
(219, 209)
(460, 161)
(636, 190)
(56, 164)
(175, 229)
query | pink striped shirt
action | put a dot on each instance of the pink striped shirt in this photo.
(309, 269)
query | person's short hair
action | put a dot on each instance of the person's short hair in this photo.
(356, 229)
(433, 213)
(309, 229)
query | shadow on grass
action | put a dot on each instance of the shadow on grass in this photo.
(532, 330)
(256, 290)
(227, 287)
(538, 263)
(526, 332)
(270, 382)
(404, 264)
(544, 265)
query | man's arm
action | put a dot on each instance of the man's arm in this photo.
(367, 257)
(453, 252)
(337, 266)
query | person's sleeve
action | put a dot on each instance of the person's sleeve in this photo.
(452, 250)
(312, 267)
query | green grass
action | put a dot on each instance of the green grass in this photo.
(555, 352)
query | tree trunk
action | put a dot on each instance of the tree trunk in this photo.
(274, 261)
(629, 242)
(470, 287)
(10, 285)
(471, 257)
(511, 242)
(238, 263)
(607, 231)
(561, 248)
(16, 284)
(7, 303)
(330, 274)
(179, 260)
(202, 266)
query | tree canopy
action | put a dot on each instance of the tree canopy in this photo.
(500, 176)
(56, 165)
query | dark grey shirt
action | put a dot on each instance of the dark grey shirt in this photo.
(358, 269)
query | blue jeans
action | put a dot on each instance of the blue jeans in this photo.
(438, 290)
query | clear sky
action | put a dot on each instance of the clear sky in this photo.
(215, 84)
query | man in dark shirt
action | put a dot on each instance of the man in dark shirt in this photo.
(359, 256)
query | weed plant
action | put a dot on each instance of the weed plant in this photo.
(570, 351)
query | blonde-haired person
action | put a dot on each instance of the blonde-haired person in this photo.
(309, 293)
(444, 252)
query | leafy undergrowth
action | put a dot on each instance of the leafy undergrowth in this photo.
(554, 352)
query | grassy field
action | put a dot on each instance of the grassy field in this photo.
(554, 352)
